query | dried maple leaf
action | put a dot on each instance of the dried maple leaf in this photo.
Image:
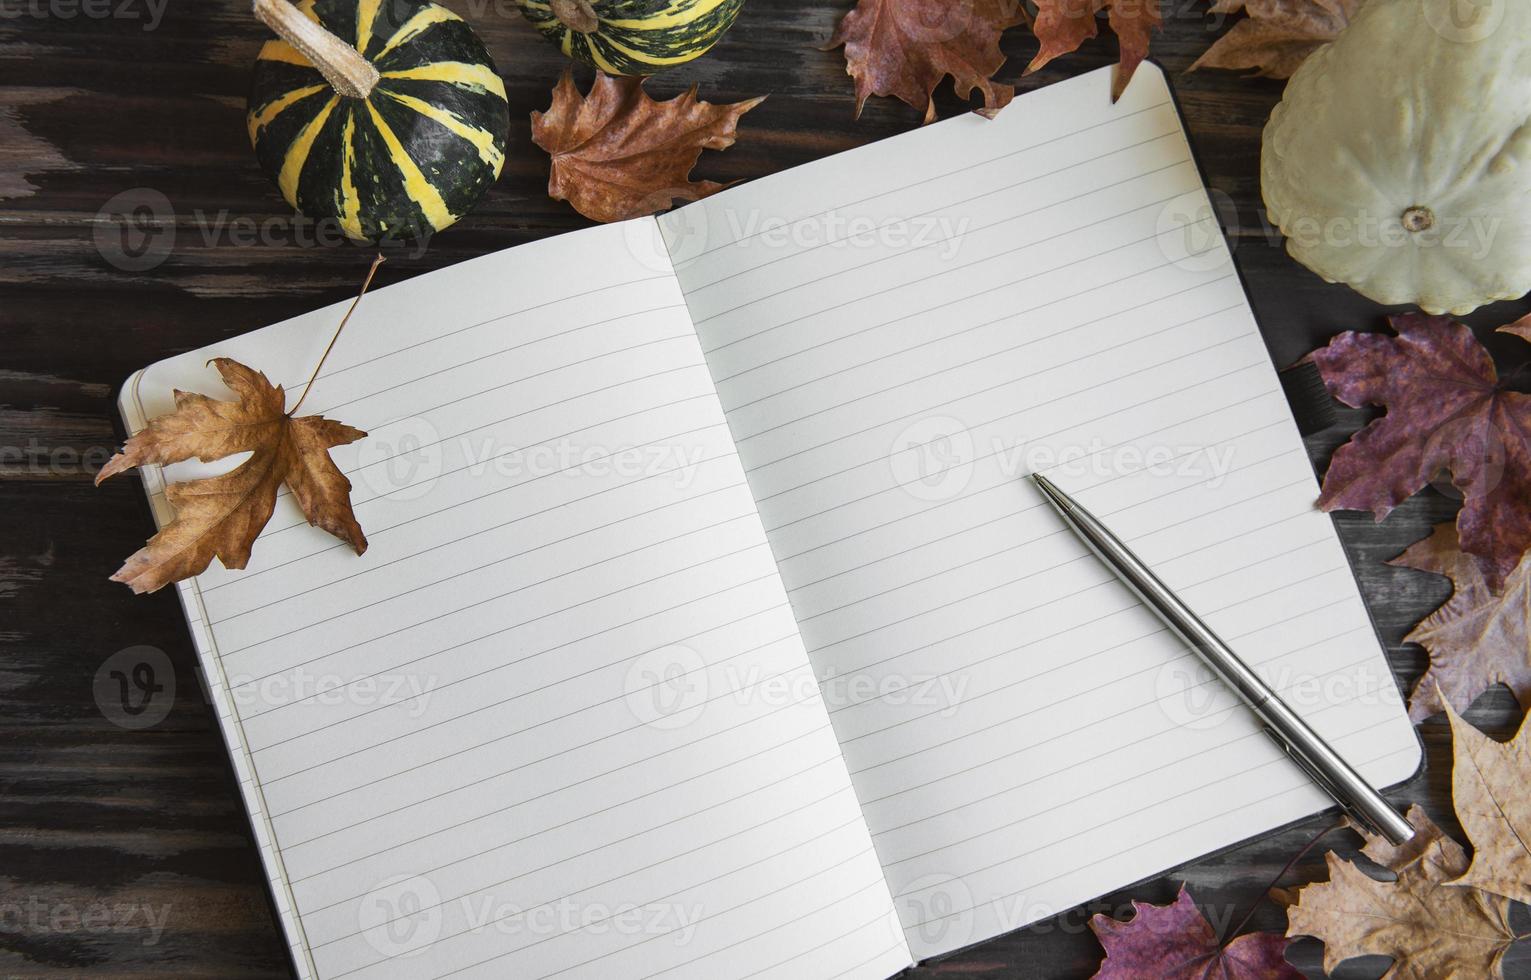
(1477, 639)
(1431, 928)
(618, 154)
(1176, 942)
(1278, 35)
(904, 48)
(1488, 790)
(1063, 25)
(221, 516)
(1397, 857)
(1446, 410)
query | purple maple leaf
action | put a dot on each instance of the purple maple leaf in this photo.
(1446, 410)
(1176, 942)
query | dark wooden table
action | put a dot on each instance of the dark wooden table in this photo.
(123, 851)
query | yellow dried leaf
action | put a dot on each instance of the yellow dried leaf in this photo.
(1488, 790)
(1478, 638)
(1432, 928)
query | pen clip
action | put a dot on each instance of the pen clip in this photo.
(1323, 781)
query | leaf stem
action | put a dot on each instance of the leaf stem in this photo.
(366, 284)
(1234, 932)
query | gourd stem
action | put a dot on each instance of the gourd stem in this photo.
(1418, 219)
(348, 73)
(576, 15)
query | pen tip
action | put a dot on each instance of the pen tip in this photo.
(1049, 490)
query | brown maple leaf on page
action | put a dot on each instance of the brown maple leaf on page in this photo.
(1063, 25)
(1431, 928)
(1476, 639)
(1278, 35)
(618, 154)
(904, 48)
(1176, 942)
(1446, 410)
(221, 516)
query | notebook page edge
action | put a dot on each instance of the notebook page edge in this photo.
(210, 682)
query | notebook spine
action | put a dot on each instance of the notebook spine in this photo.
(1312, 407)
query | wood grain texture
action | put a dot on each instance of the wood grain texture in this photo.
(124, 851)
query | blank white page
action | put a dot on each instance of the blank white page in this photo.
(898, 334)
(558, 720)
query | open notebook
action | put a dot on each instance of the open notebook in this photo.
(707, 629)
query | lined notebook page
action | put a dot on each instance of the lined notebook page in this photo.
(898, 334)
(558, 720)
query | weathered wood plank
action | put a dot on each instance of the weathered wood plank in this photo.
(136, 827)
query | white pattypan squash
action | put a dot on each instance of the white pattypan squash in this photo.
(1399, 160)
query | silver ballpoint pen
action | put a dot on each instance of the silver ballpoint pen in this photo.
(1284, 726)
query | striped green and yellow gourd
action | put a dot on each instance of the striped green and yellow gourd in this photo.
(391, 120)
(632, 37)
